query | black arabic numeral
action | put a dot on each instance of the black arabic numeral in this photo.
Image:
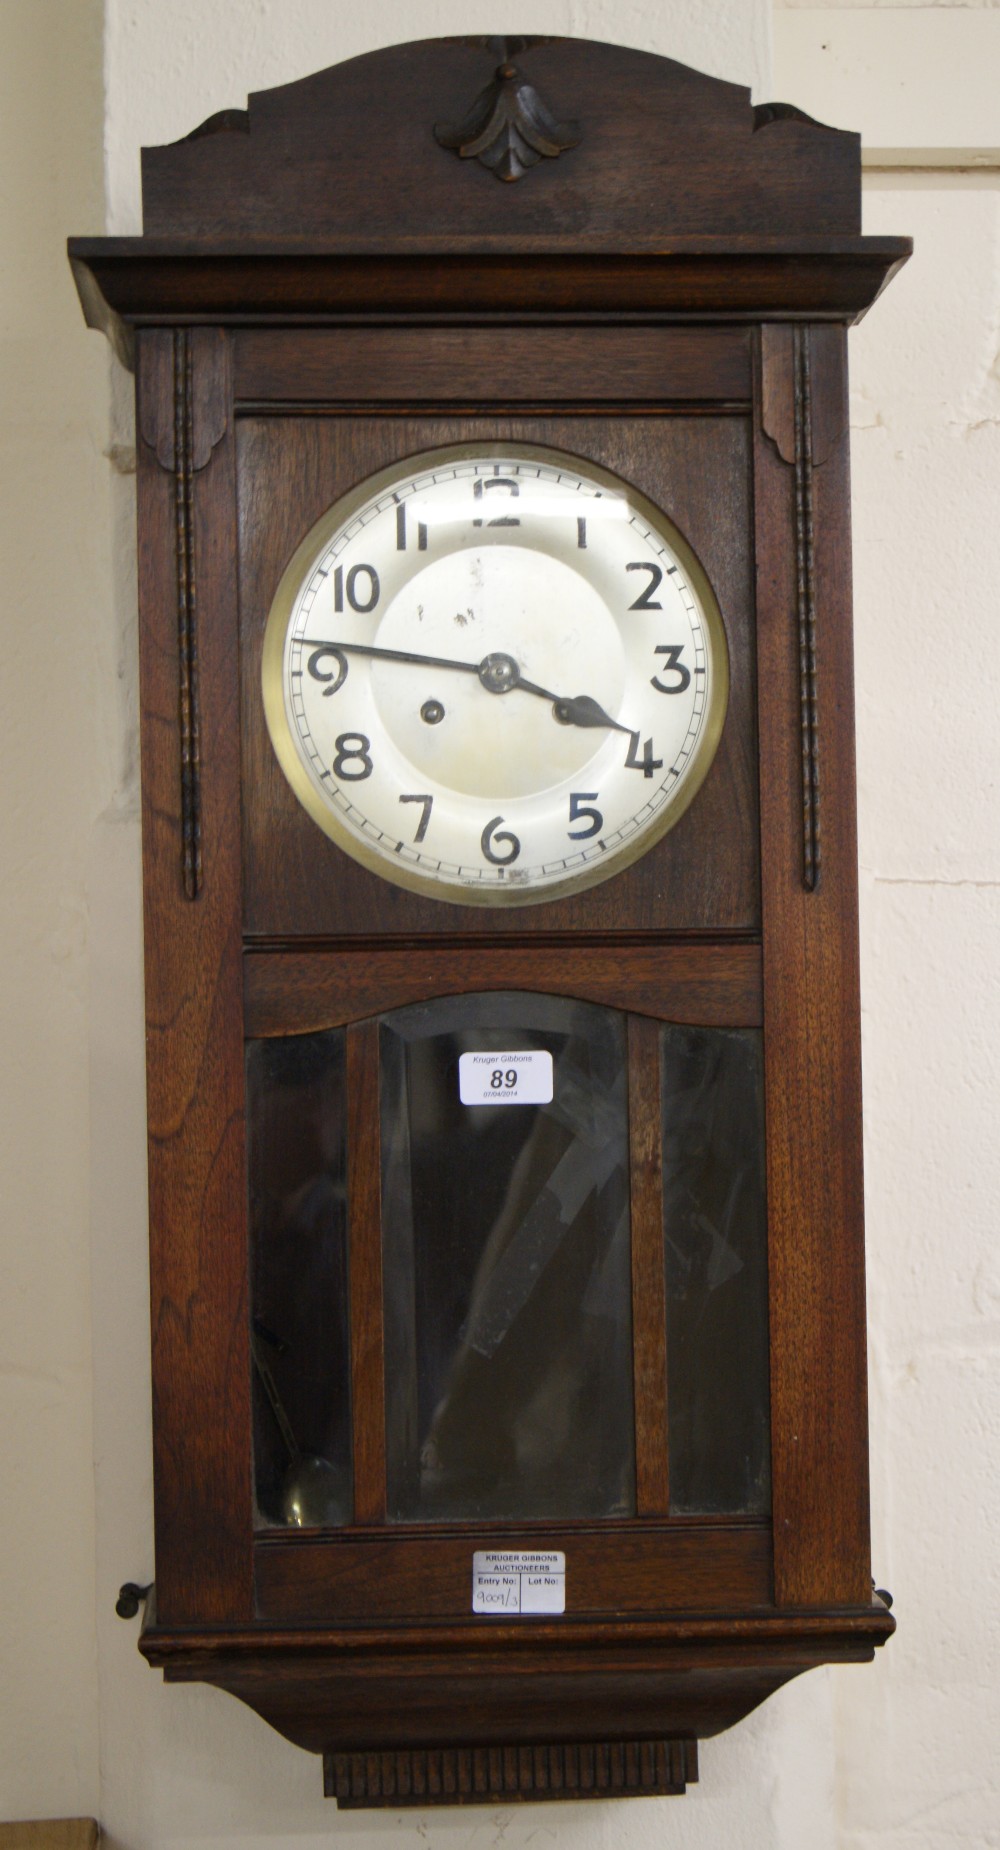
(581, 805)
(362, 606)
(352, 747)
(488, 838)
(508, 485)
(645, 599)
(673, 665)
(510, 1078)
(647, 764)
(401, 530)
(428, 803)
(313, 665)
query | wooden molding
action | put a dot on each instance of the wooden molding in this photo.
(505, 1775)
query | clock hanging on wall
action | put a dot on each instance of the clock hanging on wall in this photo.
(500, 899)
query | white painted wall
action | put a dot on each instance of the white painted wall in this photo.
(58, 726)
(919, 83)
(900, 1754)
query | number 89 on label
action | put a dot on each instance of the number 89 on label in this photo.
(518, 1078)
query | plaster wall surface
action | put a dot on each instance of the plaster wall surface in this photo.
(58, 721)
(900, 1754)
(918, 83)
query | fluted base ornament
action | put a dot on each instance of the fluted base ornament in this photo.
(506, 1775)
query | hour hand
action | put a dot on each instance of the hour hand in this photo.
(581, 710)
(575, 710)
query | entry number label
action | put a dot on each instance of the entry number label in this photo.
(505, 1078)
(509, 1581)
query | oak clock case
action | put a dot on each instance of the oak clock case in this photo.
(500, 899)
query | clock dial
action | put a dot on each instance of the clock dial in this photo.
(494, 674)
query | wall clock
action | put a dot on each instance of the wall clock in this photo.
(500, 887)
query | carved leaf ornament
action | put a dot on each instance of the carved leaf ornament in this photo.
(509, 128)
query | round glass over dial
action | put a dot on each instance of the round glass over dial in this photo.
(494, 674)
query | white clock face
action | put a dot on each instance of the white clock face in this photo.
(494, 674)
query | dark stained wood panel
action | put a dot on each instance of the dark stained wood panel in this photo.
(630, 1568)
(500, 364)
(811, 1020)
(308, 159)
(194, 1026)
(299, 992)
(703, 875)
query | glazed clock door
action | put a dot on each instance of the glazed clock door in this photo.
(505, 1342)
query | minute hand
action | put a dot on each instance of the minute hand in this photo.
(391, 655)
(499, 674)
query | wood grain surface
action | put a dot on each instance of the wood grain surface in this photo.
(302, 991)
(621, 1568)
(812, 1047)
(500, 364)
(308, 158)
(194, 1041)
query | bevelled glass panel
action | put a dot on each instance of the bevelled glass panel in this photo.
(298, 1280)
(507, 1262)
(715, 1231)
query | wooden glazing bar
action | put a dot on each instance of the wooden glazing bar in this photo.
(649, 1297)
(706, 985)
(364, 1197)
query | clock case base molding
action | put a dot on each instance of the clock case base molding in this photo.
(319, 279)
(573, 1687)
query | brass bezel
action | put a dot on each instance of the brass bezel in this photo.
(301, 566)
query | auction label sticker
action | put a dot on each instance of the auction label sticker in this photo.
(509, 1581)
(505, 1078)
